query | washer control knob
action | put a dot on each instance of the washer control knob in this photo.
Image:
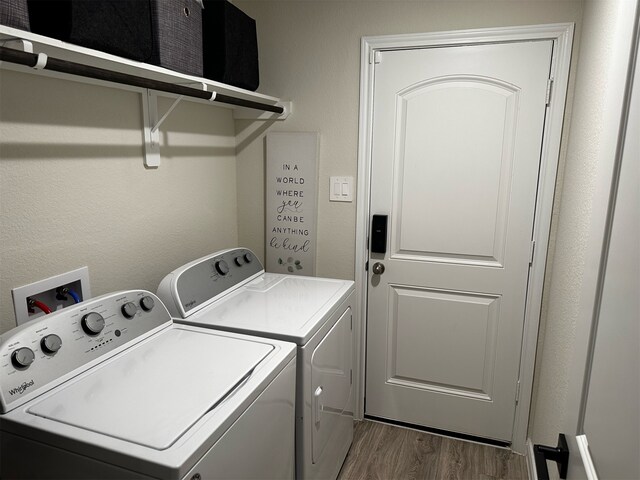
(147, 303)
(51, 344)
(239, 261)
(248, 257)
(221, 267)
(92, 323)
(22, 357)
(129, 310)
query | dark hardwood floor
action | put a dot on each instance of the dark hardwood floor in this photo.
(386, 452)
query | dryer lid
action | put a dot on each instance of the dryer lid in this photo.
(152, 393)
(278, 306)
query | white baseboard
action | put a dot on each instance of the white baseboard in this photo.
(531, 461)
(585, 455)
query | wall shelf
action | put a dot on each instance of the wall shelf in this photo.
(100, 68)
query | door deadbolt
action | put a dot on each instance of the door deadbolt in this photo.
(378, 268)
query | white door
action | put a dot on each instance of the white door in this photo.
(457, 135)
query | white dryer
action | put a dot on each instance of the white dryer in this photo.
(229, 290)
(112, 388)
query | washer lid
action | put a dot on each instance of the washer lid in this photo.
(154, 392)
(278, 306)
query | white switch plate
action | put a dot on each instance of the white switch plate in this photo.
(341, 189)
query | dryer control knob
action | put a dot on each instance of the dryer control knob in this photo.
(129, 310)
(51, 343)
(22, 357)
(147, 303)
(248, 257)
(92, 323)
(239, 261)
(221, 267)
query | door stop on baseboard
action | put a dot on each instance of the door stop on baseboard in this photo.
(559, 454)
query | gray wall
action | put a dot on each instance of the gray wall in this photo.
(592, 138)
(74, 190)
(310, 53)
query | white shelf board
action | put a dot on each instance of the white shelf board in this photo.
(86, 56)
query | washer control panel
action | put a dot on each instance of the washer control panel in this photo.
(198, 283)
(41, 354)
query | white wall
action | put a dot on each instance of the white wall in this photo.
(74, 191)
(593, 135)
(309, 53)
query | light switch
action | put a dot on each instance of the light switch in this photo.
(341, 189)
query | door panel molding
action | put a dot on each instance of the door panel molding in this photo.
(562, 37)
(450, 258)
(440, 216)
(474, 373)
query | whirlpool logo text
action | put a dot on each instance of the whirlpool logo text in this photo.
(20, 390)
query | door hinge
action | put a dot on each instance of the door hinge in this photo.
(366, 266)
(518, 392)
(532, 251)
(351, 377)
(548, 94)
(375, 57)
(351, 318)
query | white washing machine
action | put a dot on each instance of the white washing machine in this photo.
(112, 388)
(230, 291)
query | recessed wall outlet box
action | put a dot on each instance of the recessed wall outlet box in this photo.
(56, 292)
(341, 189)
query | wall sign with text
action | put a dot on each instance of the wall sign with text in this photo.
(291, 202)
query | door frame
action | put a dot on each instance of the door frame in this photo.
(562, 36)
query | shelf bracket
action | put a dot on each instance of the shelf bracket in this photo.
(17, 43)
(154, 130)
(151, 124)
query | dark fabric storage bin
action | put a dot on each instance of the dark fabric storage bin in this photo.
(14, 13)
(167, 33)
(177, 35)
(51, 18)
(118, 27)
(230, 45)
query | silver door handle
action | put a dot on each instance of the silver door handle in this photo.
(378, 268)
(317, 408)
